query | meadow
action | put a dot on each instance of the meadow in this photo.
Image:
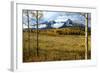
(55, 45)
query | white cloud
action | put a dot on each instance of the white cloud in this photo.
(25, 26)
(61, 19)
(57, 25)
(41, 25)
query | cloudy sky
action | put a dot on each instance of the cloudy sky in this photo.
(53, 16)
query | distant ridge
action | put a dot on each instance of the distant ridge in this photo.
(50, 24)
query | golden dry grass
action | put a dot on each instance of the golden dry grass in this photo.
(54, 47)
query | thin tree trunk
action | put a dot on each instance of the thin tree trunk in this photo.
(37, 34)
(86, 36)
(28, 33)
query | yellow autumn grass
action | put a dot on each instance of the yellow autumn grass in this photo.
(54, 48)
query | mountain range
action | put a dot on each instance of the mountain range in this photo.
(54, 24)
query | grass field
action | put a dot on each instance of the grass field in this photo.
(54, 47)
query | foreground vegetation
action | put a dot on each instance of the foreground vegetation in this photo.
(54, 45)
